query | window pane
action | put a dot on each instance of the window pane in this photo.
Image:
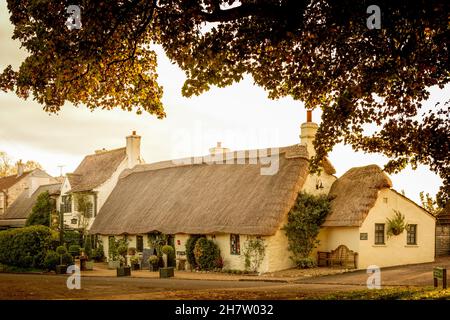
(379, 233)
(411, 237)
(234, 244)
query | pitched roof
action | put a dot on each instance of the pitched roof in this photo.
(354, 195)
(204, 198)
(9, 181)
(21, 207)
(444, 216)
(95, 169)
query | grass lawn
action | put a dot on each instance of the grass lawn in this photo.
(428, 293)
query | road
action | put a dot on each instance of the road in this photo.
(33, 286)
(37, 286)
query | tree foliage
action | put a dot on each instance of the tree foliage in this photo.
(7, 168)
(41, 211)
(319, 52)
(303, 226)
(433, 206)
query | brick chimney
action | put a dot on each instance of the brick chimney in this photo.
(19, 168)
(133, 150)
(308, 133)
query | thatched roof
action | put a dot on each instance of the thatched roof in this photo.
(21, 207)
(354, 195)
(9, 181)
(95, 169)
(204, 198)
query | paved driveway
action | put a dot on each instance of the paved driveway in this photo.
(411, 275)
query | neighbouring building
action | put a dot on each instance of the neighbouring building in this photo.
(231, 203)
(17, 213)
(443, 232)
(363, 201)
(84, 191)
(11, 187)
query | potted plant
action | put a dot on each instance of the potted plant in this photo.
(166, 272)
(89, 264)
(134, 262)
(124, 269)
(74, 250)
(113, 261)
(61, 268)
(153, 261)
(131, 251)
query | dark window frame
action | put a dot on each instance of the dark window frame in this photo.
(66, 204)
(235, 244)
(139, 243)
(411, 237)
(379, 236)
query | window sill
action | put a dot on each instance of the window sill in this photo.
(379, 245)
(411, 246)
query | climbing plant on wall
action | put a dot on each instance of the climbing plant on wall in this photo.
(303, 226)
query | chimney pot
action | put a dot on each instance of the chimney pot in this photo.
(19, 168)
(134, 133)
(309, 116)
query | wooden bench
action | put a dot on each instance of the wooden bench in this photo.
(341, 256)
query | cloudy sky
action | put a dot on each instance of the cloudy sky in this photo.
(241, 116)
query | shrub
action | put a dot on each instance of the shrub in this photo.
(167, 249)
(51, 260)
(74, 250)
(303, 226)
(190, 245)
(304, 263)
(132, 251)
(153, 259)
(88, 246)
(67, 259)
(254, 253)
(61, 251)
(206, 254)
(98, 254)
(72, 237)
(25, 247)
(134, 260)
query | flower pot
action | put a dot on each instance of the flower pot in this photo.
(135, 266)
(61, 269)
(123, 271)
(166, 272)
(113, 264)
(90, 265)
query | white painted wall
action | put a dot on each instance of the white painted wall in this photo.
(395, 251)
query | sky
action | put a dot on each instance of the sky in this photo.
(240, 116)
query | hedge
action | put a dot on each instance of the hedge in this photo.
(26, 247)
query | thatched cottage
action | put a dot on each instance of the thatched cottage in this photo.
(93, 180)
(232, 201)
(363, 201)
